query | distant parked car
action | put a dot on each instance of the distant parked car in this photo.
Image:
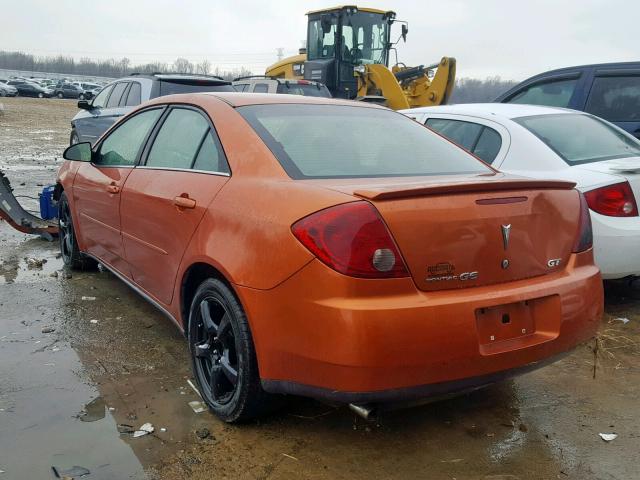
(29, 89)
(262, 84)
(120, 97)
(8, 90)
(608, 90)
(69, 90)
(548, 143)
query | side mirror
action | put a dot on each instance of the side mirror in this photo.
(84, 105)
(80, 152)
(405, 30)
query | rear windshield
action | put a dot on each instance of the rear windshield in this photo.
(308, 90)
(579, 139)
(169, 88)
(336, 141)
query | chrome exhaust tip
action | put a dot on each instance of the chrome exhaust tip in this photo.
(364, 411)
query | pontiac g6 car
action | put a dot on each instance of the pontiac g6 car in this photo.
(331, 249)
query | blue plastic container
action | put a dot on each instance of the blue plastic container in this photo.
(48, 207)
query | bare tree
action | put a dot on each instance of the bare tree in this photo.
(182, 65)
(204, 67)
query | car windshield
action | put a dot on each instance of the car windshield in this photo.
(579, 139)
(339, 141)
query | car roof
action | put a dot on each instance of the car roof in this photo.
(241, 99)
(502, 110)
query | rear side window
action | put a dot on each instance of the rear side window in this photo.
(616, 99)
(334, 141)
(118, 90)
(261, 88)
(465, 134)
(211, 158)
(133, 98)
(556, 93)
(178, 140)
(101, 99)
(122, 145)
(169, 88)
(482, 141)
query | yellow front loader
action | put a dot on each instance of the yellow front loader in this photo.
(348, 49)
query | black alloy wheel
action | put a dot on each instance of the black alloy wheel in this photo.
(223, 356)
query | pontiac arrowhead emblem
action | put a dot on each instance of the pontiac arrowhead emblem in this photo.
(506, 230)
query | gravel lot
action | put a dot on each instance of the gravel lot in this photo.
(109, 362)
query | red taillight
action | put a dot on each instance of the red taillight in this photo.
(352, 239)
(584, 239)
(613, 200)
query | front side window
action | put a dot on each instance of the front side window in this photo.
(334, 141)
(579, 139)
(101, 99)
(551, 94)
(178, 140)
(122, 146)
(616, 99)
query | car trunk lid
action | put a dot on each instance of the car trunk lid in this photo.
(461, 232)
(625, 168)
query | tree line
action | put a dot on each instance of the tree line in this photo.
(467, 90)
(113, 68)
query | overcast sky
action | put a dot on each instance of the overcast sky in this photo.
(512, 39)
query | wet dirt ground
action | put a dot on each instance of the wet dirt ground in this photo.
(84, 361)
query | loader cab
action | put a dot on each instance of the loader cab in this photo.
(340, 40)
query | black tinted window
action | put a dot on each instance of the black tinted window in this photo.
(556, 93)
(261, 88)
(488, 145)
(615, 98)
(465, 134)
(211, 157)
(118, 90)
(330, 141)
(308, 90)
(133, 98)
(169, 87)
(178, 140)
(122, 145)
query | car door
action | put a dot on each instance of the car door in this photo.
(487, 140)
(97, 188)
(164, 200)
(615, 96)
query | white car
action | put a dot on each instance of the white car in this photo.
(545, 142)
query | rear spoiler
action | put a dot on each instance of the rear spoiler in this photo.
(18, 217)
(419, 190)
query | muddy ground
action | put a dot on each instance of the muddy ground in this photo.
(109, 363)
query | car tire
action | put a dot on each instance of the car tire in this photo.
(60, 95)
(71, 255)
(223, 356)
(74, 138)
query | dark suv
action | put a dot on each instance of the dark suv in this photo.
(607, 90)
(68, 90)
(120, 97)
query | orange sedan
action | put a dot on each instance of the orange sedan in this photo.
(331, 249)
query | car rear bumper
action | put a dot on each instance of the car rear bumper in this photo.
(325, 335)
(615, 244)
